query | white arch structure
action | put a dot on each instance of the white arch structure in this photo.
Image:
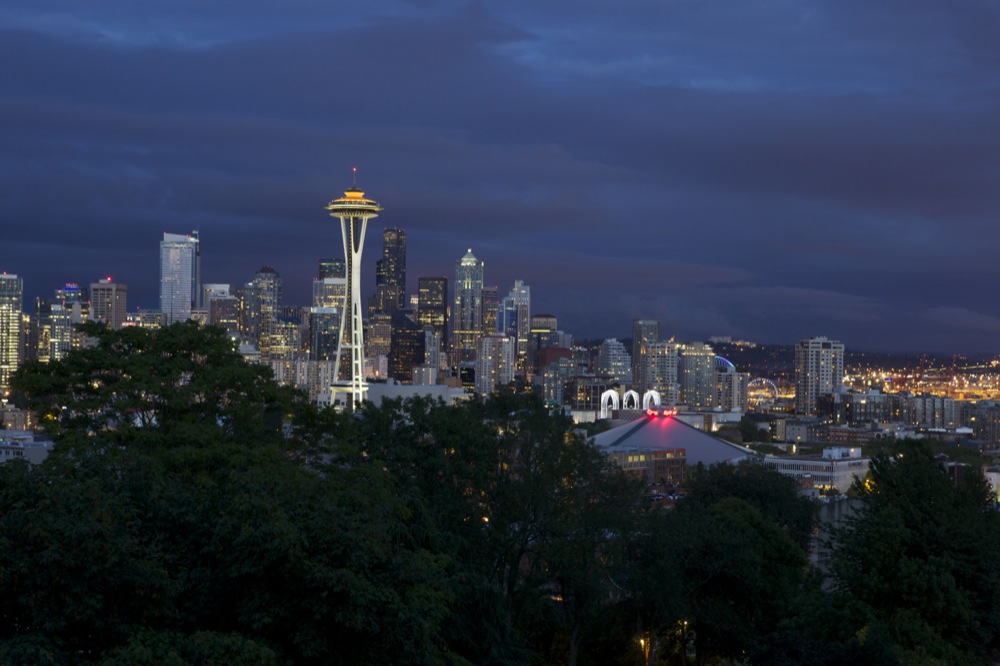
(630, 400)
(651, 398)
(608, 398)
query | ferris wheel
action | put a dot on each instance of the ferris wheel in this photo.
(762, 392)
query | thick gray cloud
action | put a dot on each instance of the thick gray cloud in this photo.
(770, 169)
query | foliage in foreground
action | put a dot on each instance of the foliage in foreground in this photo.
(194, 513)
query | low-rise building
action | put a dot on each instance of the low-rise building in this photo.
(836, 469)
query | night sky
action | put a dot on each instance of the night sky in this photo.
(766, 169)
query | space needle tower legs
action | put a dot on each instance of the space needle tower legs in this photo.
(354, 211)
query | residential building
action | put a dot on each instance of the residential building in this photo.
(819, 370)
(614, 362)
(495, 362)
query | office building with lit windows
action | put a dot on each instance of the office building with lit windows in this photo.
(644, 333)
(390, 274)
(514, 321)
(109, 302)
(11, 303)
(180, 276)
(432, 305)
(467, 315)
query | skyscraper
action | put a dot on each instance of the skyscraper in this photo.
(614, 361)
(467, 315)
(108, 302)
(406, 348)
(515, 321)
(332, 268)
(644, 333)
(390, 274)
(267, 282)
(11, 301)
(661, 362)
(491, 308)
(354, 211)
(819, 370)
(223, 308)
(180, 276)
(494, 363)
(432, 305)
(698, 377)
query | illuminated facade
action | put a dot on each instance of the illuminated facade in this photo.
(614, 361)
(180, 276)
(495, 360)
(661, 368)
(108, 302)
(390, 274)
(698, 378)
(354, 211)
(267, 283)
(644, 333)
(819, 370)
(324, 332)
(11, 302)
(467, 315)
(329, 292)
(432, 305)
(514, 320)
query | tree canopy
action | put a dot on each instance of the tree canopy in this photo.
(195, 512)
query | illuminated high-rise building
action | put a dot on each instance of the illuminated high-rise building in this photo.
(432, 305)
(661, 366)
(491, 310)
(467, 315)
(329, 292)
(267, 282)
(819, 370)
(514, 320)
(407, 347)
(332, 268)
(108, 302)
(613, 361)
(495, 362)
(698, 377)
(11, 302)
(644, 333)
(354, 211)
(223, 308)
(324, 332)
(390, 274)
(378, 336)
(180, 276)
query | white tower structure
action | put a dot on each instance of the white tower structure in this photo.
(354, 211)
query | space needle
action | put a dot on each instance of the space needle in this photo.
(354, 211)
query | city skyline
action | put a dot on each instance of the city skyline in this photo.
(770, 172)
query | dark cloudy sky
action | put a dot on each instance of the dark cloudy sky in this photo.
(766, 169)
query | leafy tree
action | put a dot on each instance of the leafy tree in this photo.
(919, 559)
(178, 517)
(738, 572)
(775, 495)
(182, 383)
